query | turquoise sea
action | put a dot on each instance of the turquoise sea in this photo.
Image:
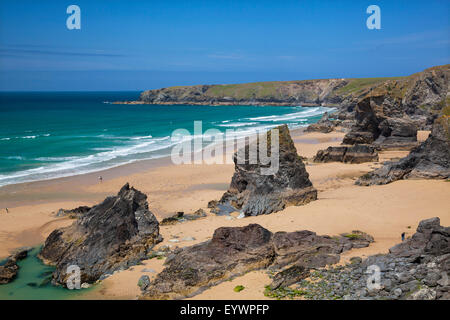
(56, 134)
(33, 282)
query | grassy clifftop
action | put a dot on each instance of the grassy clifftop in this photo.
(336, 92)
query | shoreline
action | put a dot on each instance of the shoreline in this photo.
(232, 103)
(13, 195)
(382, 211)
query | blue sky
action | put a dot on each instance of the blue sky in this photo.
(136, 45)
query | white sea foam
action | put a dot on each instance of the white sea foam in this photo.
(147, 147)
(237, 124)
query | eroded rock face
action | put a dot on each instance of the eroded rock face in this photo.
(324, 125)
(73, 213)
(235, 251)
(430, 160)
(416, 269)
(381, 120)
(10, 269)
(390, 112)
(397, 133)
(348, 154)
(113, 235)
(231, 251)
(310, 250)
(254, 193)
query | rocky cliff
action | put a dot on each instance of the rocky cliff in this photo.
(420, 94)
(430, 160)
(117, 233)
(390, 113)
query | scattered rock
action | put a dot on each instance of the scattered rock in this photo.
(85, 286)
(415, 269)
(181, 216)
(358, 153)
(254, 193)
(234, 251)
(324, 125)
(173, 219)
(114, 235)
(397, 133)
(73, 213)
(143, 282)
(231, 251)
(355, 260)
(9, 269)
(430, 160)
(289, 276)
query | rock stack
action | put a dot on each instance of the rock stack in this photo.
(254, 193)
(113, 235)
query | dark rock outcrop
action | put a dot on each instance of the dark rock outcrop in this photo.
(358, 153)
(397, 133)
(9, 269)
(181, 217)
(235, 251)
(416, 269)
(390, 112)
(231, 251)
(73, 213)
(310, 250)
(289, 276)
(380, 120)
(430, 160)
(254, 193)
(117, 233)
(324, 125)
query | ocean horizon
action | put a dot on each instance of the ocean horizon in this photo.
(47, 135)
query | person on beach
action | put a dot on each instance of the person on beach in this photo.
(100, 179)
(7, 211)
(403, 236)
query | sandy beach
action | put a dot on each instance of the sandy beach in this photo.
(382, 211)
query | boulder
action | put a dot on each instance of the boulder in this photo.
(113, 235)
(430, 238)
(289, 276)
(324, 125)
(397, 133)
(430, 160)
(380, 119)
(310, 250)
(416, 269)
(181, 217)
(9, 269)
(255, 193)
(143, 282)
(358, 153)
(230, 252)
(233, 251)
(73, 213)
